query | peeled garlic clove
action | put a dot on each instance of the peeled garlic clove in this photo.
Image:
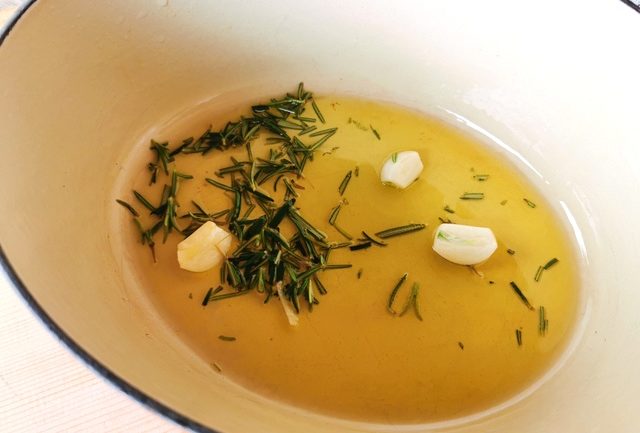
(401, 169)
(464, 245)
(204, 248)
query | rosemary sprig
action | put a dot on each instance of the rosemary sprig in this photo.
(521, 295)
(397, 231)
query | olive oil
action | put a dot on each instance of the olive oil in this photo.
(477, 344)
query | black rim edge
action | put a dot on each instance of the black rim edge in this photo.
(75, 348)
(632, 5)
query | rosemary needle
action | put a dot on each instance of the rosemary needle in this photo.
(397, 231)
(521, 295)
(472, 196)
(394, 292)
(317, 111)
(375, 132)
(345, 182)
(519, 337)
(128, 207)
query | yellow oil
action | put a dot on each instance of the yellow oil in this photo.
(350, 358)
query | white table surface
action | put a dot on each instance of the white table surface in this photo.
(44, 387)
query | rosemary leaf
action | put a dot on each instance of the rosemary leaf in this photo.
(373, 240)
(317, 111)
(521, 295)
(376, 133)
(345, 182)
(394, 292)
(128, 207)
(472, 196)
(396, 231)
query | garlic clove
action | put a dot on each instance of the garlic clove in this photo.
(204, 248)
(464, 245)
(401, 169)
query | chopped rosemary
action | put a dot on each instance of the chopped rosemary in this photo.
(529, 203)
(510, 251)
(544, 267)
(543, 322)
(538, 274)
(481, 177)
(163, 158)
(461, 345)
(360, 246)
(266, 256)
(448, 209)
(226, 338)
(341, 266)
(333, 215)
(357, 124)
(128, 207)
(376, 133)
(144, 201)
(550, 263)
(394, 292)
(359, 274)
(412, 302)
(345, 182)
(317, 111)
(519, 337)
(373, 240)
(396, 231)
(521, 295)
(205, 301)
(394, 157)
(216, 367)
(343, 232)
(503, 202)
(472, 196)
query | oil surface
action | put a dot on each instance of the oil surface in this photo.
(350, 357)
